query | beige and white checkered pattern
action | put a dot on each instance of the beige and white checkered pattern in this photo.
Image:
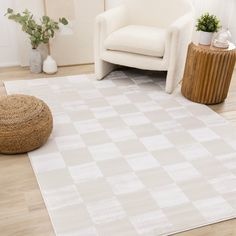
(127, 159)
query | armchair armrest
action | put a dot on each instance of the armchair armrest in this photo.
(111, 20)
(181, 22)
(106, 23)
(178, 39)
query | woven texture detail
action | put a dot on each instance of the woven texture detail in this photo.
(25, 123)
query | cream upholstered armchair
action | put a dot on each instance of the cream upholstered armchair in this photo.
(145, 34)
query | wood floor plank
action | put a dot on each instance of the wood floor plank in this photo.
(22, 210)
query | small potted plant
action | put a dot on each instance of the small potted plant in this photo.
(39, 33)
(207, 25)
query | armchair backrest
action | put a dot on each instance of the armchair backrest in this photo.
(160, 13)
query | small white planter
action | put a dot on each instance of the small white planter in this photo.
(49, 65)
(205, 38)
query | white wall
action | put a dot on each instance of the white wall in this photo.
(8, 37)
(232, 25)
(225, 10)
(15, 46)
(22, 46)
(37, 8)
(76, 44)
(222, 9)
(112, 3)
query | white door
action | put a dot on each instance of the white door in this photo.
(74, 43)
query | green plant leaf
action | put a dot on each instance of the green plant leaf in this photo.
(9, 10)
(64, 21)
(46, 18)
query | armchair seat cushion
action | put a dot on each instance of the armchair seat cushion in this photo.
(144, 40)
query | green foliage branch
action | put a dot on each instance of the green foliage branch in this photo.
(38, 32)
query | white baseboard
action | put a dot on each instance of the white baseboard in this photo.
(17, 63)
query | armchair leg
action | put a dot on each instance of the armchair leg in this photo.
(170, 82)
(103, 68)
(173, 79)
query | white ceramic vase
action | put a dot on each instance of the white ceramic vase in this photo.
(35, 61)
(49, 65)
(205, 38)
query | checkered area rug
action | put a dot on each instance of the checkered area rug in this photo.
(127, 159)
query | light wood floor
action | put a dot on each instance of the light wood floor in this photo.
(22, 210)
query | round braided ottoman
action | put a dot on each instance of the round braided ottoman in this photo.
(25, 124)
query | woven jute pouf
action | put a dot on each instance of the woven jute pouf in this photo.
(25, 123)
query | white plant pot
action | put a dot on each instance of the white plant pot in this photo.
(205, 38)
(49, 65)
(35, 61)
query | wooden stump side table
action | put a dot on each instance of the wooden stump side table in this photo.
(208, 73)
